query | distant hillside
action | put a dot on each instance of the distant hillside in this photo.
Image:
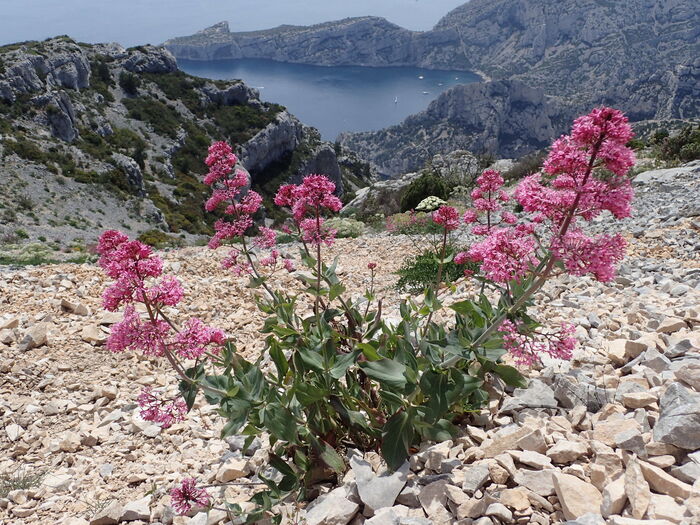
(503, 118)
(640, 55)
(98, 136)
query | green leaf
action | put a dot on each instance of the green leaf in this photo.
(278, 358)
(280, 422)
(388, 372)
(441, 430)
(311, 359)
(331, 458)
(336, 290)
(283, 331)
(369, 351)
(343, 363)
(397, 437)
(510, 375)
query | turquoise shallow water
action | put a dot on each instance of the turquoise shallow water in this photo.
(337, 99)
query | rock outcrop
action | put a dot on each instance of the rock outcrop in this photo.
(504, 118)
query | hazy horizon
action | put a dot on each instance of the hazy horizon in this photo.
(134, 22)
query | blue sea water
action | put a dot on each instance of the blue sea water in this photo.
(336, 99)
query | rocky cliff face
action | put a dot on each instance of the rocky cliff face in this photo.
(127, 132)
(503, 118)
(579, 49)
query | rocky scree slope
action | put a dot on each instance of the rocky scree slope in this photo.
(98, 136)
(610, 437)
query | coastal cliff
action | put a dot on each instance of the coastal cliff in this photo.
(504, 118)
(587, 50)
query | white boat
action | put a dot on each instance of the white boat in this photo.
(396, 100)
(421, 77)
(426, 92)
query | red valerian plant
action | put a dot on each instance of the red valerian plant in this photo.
(343, 377)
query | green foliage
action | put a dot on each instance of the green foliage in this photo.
(345, 378)
(25, 149)
(101, 79)
(429, 184)
(681, 147)
(21, 478)
(159, 239)
(419, 272)
(525, 166)
(412, 223)
(164, 119)
(130, 83)
(179, 86)
(346, 227)
(241, 123)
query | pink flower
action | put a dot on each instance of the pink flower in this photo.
(586, 169)
(232, 262)
(271, 259)
(133, 333)
(371, 266)
(313, 232)
(447, 217)
(470, 216)
(310, 197)
(527, 348)
(506, 254)
(596, 255)
(167, 292)
(267, 238)
(285, 195)
(163, 412)
(196, 338)
(187, 496)
(289, 265)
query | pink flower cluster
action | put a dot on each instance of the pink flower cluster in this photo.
(447, 217)
(187, 496)
(229, 187)
(163, 412)
(307, 201)
(585, 172)
(132, 263)
(507, 254)
(488, 198)
(584, 175)
(527, 347)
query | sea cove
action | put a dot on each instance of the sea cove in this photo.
(337, 99)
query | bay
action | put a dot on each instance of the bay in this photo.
(337, 99)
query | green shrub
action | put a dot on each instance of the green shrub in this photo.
(159, 239)
(21, 234)
(346, 227)
(682, 147)
(429, 184)
(129, 82)
(25, 149)
(525, 166)
(412, 223)
(164, 119)
(419, 272)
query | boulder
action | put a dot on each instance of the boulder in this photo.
(679, 421)
(377, 491)
(575, 495)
